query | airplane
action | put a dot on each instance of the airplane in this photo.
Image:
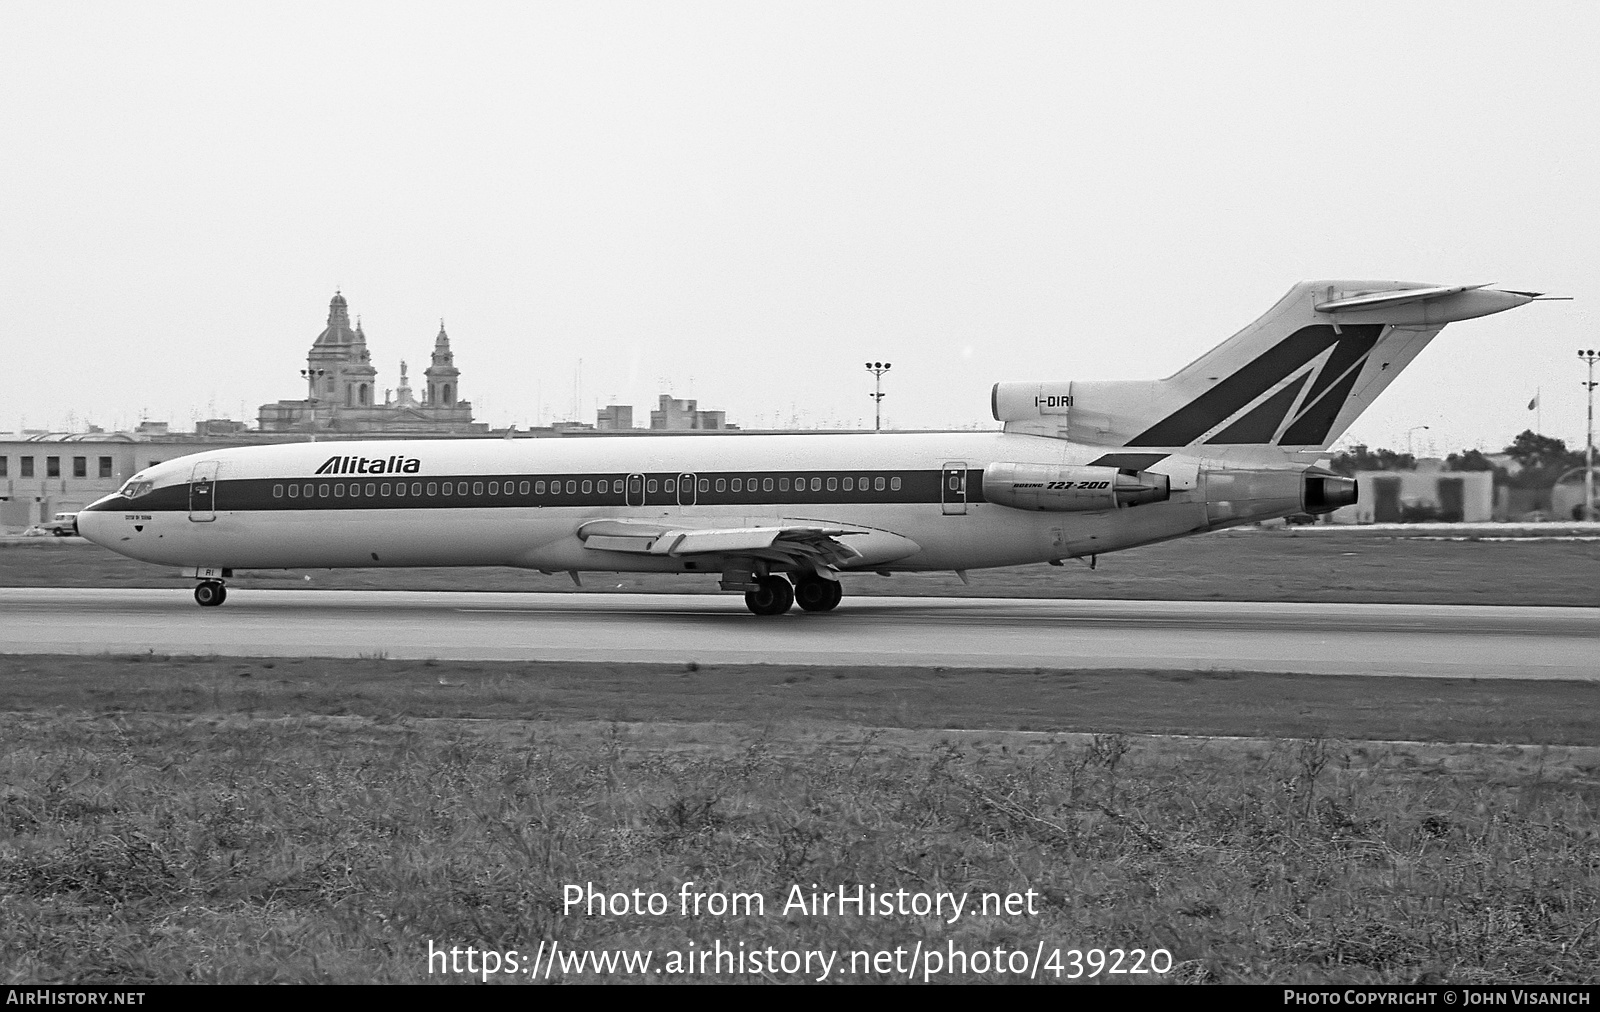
(1079, 469)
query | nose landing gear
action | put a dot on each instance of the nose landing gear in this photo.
(210, 593)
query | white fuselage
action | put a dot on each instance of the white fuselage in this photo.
(270, 508)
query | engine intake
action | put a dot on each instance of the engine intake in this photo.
(1067, 489)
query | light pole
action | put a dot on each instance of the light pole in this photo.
(877, 369)
(1410, 448)
(312, 375)
(1589, 357)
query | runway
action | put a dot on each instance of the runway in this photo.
(1365, 639)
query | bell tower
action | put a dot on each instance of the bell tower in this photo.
(444, 390)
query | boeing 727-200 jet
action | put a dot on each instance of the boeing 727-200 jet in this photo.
(1079, 469)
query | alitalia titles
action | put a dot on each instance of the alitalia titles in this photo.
(370, 465)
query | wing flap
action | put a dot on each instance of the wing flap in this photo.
(801, 544)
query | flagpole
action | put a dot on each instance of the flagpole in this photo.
(1538, 414)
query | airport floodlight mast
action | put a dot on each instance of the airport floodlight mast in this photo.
(312, 376)
(1410, 435)
(1589, 357)
(877, 369)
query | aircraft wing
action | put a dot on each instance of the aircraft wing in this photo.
(811, 546)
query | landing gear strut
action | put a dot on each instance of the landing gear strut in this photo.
(772, 596)
(210, 593)
(813, 593)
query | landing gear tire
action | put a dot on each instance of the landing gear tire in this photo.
(210, 594)
(813, 593)
(773, 597)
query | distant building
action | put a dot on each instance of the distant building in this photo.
(615, 416)
(676, 414)
(1388, 497)
(342, 392)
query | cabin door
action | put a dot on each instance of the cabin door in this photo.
(953, 488)
(635, 493)
(686, 491)
(203, 492)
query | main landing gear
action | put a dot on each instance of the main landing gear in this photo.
(773, 595)
(210, 593)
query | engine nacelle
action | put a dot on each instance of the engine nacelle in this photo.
(1065, 489)
(1327, 492)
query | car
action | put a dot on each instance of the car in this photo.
(65, 525)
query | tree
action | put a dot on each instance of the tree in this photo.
(1543, 459)
(1359, 458)
(1468, 460)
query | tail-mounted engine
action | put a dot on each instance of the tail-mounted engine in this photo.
(1327, 492)
(1064, 489)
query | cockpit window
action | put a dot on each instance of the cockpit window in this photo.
(137, 487)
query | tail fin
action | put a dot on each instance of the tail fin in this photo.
(1294, 379)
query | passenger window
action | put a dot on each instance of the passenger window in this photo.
(650, 486)
(322, 490)
(477, 488)
(877, 484)
(277, 492)
(705, 484)
(400, 489)
(833, 484)
(338, 491)
(783, 484)
(738, 485)
(894, 484)
(416, 488)
(616, 487)
(494, 488)
(849, 483)
(816, 484)
(509, 488)
(669, 485)
(572, 488)
(385, 489)
(766, 484)
(587, 487)
(538, 488)
(722, 485)
(433, 488)
(372, 488)
(524, 487)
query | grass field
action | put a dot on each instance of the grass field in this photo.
(240, 819)
(248, 820)
(1243, 565)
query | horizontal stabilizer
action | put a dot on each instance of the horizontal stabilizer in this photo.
(1373, 300)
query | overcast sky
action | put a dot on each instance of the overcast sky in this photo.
(743, 202)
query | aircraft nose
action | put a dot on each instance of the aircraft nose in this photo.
(93, 521)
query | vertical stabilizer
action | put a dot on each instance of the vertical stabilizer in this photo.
(1294, 379)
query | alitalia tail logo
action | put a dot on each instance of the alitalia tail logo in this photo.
(370, 465)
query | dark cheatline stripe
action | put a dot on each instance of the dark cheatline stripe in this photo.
(1231, 394)
(255, 494)
(1259, 425)
(1128, 461)
(1355, 342)
(1311, 428)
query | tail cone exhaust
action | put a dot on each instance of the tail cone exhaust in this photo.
(1327, 492)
